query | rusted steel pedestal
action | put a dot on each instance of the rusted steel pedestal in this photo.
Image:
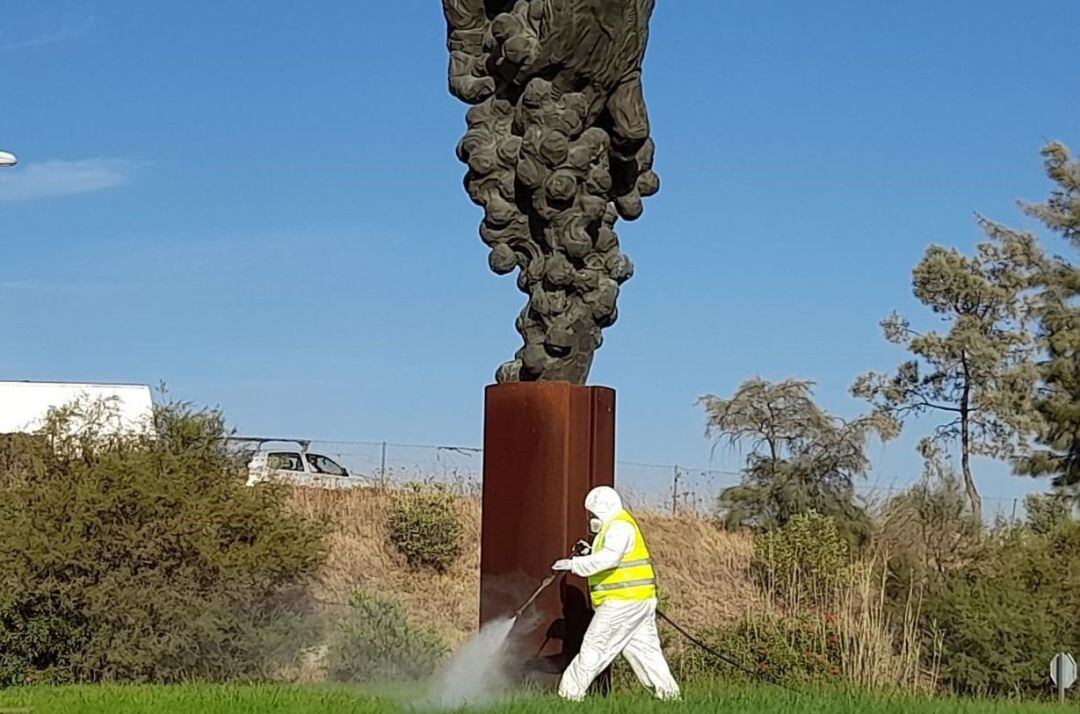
(545, 445)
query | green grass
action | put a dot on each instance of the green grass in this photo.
(260, 699)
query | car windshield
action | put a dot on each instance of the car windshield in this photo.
(321, 464)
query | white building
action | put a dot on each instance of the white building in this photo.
(24, 405)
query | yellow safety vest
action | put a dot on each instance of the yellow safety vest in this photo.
(633, 578)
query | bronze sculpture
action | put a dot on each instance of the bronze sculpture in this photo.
(558, 149)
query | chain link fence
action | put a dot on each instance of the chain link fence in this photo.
(667, 488)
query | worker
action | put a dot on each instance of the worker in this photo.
(622, 586)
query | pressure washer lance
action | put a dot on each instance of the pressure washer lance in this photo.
(543, 586)
(580, 548)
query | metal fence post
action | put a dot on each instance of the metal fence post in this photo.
(382, 463)
(1061, 679)
(675, 493)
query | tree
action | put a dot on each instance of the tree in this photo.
(979, 374)
(800, 458)
(1058, 397)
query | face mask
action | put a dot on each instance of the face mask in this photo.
(594, 525)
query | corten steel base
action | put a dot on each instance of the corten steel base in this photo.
(545, 445)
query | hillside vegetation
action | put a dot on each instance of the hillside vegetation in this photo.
(705, 570)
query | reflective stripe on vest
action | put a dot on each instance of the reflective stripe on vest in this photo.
(631, 579)
(619, 586)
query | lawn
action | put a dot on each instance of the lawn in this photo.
(257, 699)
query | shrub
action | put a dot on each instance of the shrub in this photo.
(145, 558)
(928, 528)
(797, 650)
(377, 643)
(1002, 618)
(804, 561)
(424, 527)
(1047, 512)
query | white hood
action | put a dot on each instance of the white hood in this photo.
(604, 503)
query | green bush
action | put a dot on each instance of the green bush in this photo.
(807, 559)
(797, 650)
(377, 643)
(145, 558)
(424, 527)
(1000, 619)
(1047, 512)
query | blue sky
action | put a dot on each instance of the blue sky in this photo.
(263, 208)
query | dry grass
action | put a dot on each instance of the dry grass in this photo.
(876, 650)
(360, 557)
(705, 577)
(704, 571)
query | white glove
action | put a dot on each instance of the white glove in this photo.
(563, 564)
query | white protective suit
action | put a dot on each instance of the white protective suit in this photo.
(617, 626)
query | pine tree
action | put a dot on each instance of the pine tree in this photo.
(1058, 398)
(979, 373)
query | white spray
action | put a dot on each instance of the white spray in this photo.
(474, 674)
